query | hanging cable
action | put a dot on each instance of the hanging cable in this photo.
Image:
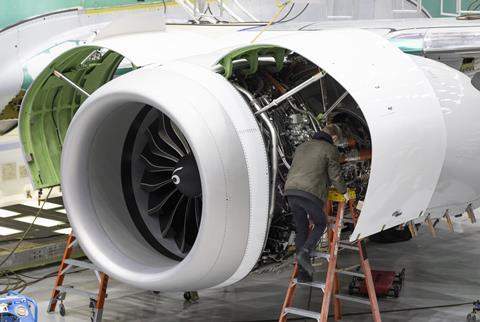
(286, 15)
(298, 14)
(39, 211)
(281, 7)
(164, 7)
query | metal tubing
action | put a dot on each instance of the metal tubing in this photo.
(291, 92)
(189, 9)
(337, 102)
(282, 156)
(248, 13)
(273, 138)
(231, 12)
(324, 98)
(65, 79)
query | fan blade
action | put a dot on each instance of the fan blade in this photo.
(181, 138)
(149, 187)
(159, 151)
(178, 137)
(153, 210)
(198, 211)
(180, 238)
(164, 135)
(155, 168)
(169, 221)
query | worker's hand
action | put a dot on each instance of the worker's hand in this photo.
(346, 195)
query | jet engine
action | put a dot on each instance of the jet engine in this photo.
(172, 175)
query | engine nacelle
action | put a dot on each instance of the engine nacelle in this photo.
(168, 176)
(184, 239)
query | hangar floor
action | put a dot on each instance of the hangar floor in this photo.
(442, 280)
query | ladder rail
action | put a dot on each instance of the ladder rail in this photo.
(60, 275)
(330, 280)
(289, 296)
(331, 287)
(367, 270)
(101, 296)
(59, 292)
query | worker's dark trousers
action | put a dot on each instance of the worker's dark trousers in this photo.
(304, 208)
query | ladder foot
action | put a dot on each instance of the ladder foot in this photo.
(61, 309)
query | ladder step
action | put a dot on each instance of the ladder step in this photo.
(302, 312)
(349, 247)
(72, 290)
(352, 299)
(82, 264)
(323, 255)
(319, 285)
(350, 273)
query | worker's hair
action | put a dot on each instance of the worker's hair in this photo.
(333, 130)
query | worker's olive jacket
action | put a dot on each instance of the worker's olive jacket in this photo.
(315, 167)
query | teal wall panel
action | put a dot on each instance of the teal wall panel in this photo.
(12, 11)
(433, 6)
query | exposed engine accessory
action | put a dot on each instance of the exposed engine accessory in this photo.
(300, 129)
(295, 116)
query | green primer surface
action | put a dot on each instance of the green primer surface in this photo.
(251, 55)
(50, 105)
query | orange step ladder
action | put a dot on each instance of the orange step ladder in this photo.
(331, 286)
(97, 300)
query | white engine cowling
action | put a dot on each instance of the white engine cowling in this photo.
(137, 140)
(232, 164)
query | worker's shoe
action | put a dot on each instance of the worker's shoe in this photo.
(303, 259)
(303, 276)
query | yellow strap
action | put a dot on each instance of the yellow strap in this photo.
(132, 7)
(281, 7)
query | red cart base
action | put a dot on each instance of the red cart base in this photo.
(387, 283)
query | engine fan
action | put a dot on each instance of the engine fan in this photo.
(158, 167)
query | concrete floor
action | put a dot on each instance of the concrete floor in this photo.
(442, 279)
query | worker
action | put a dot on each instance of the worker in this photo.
(315, 167)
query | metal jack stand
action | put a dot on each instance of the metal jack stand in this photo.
(331, 287)
(191, 296)
(97, 300)
(474, 316)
